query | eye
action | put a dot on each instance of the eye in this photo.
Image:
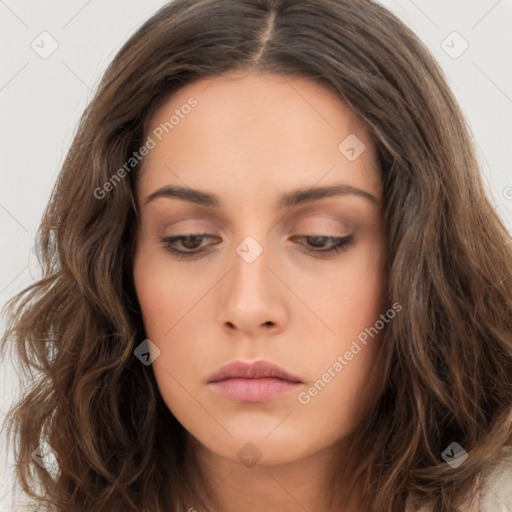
(192, 244)
(189, 242)
(335, 245)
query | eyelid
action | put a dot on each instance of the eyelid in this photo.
(199, 224)
(317, 212)
(318, 220)
(315, 225)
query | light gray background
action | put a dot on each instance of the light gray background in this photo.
(41, 100)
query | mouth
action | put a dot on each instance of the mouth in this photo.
(259, 381)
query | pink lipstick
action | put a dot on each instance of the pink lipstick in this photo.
(259, 381)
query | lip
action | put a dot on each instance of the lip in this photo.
(257, 381)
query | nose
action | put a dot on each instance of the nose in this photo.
(253, 297)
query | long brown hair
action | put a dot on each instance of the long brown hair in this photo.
(448, 354)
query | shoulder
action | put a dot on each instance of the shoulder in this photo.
(494, 490)
(496, 487)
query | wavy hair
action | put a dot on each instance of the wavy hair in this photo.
(447, 357)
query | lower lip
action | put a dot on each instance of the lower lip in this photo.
(254, 390)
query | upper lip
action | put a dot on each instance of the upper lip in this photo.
(252, 370)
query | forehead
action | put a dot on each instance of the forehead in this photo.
(255, 133)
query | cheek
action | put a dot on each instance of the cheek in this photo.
(164, 295)
(162, 307)
(355, 291)
(170, 303)
(353, 310)
(153, 300)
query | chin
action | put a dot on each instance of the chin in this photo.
(253, 445)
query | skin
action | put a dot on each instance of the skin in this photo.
(251, 138)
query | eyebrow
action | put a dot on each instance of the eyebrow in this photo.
(287, 200)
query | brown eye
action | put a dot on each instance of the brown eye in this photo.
(334, 244)
(189, 242)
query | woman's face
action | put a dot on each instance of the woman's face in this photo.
(251, 161)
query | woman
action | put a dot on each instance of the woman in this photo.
(272, 278)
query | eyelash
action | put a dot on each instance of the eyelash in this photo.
(341, 244)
